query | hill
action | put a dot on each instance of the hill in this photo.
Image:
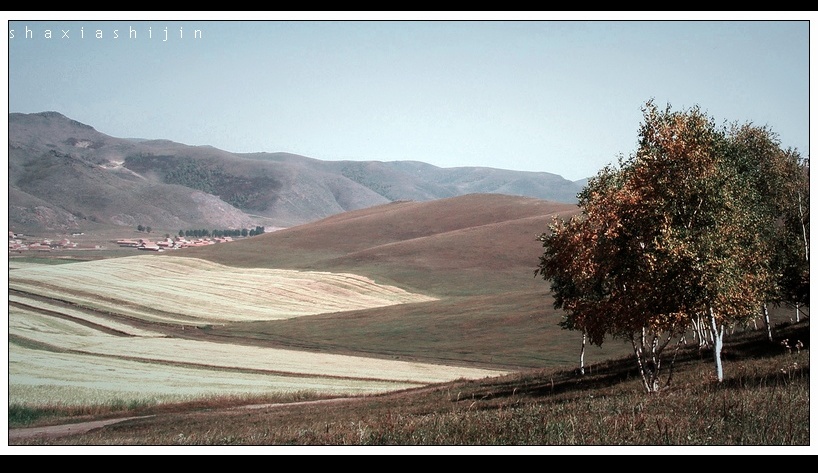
(414, 243)
(66, 176)
(476, 254)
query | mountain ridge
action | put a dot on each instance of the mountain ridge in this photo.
(65, 175)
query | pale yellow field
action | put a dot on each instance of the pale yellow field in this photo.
(39, 378)
(84, 365)
(78, 314)
(187, 290)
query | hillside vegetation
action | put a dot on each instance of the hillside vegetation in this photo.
(763, 402)
(473, 258)
(66, 176)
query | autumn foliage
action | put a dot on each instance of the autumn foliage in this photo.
(681, 235)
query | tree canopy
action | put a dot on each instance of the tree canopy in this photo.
(679, 233)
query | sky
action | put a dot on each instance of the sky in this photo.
(531, 91)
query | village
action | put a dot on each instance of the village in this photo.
(19, 243)
(169, 243)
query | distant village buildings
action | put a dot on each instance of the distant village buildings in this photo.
(170, 243)
(19, 243)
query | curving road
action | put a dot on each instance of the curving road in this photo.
(51, 431)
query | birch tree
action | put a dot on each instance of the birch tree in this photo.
(666, 240)
(791, 250)
(781, 181)
(600, 270)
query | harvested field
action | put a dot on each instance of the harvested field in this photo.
(77, 347)
(69, 336)
(42, 378)
(19, 304)
(189, 291)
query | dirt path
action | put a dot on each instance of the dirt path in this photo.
(64, 430)
(52, 431)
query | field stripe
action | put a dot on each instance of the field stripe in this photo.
(40, 378)
(168, 288)
(78, 338)
(38, 305)
(91, 354)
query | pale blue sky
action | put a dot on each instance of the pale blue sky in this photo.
(547, 95)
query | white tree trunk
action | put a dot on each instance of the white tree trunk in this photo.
(803, 227)
(766, 315)
(797, 313)
(718, 337)
(582, 354)
(700, 330)
(647, 357)
(638, 350)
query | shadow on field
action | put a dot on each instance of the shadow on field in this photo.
(750, 344)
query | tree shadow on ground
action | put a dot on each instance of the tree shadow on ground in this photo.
(738, 346)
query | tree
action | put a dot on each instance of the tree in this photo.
(781, 180)
(601, 272)
(791, 242)
(667, 240)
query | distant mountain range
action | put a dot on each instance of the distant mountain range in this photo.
(65, 176)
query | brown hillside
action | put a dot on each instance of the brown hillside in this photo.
(473, 242)
(489, 221)
(498, 246)
(477, 253)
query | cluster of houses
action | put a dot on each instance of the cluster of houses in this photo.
(17, 243)
(170, 243)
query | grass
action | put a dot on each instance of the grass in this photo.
(22, 415)
(34, 260)
(491, 313)
(516, 330)
(763, 401)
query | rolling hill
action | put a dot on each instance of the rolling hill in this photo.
(65, 176)
(487, 233)
(475, 254)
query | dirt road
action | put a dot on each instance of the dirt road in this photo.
(64, 430)
(52, 431)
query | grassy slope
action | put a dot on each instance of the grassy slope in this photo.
(493, 312)
(476, 252)
(552, 407)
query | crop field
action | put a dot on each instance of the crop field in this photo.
(98, 332)
(194, 291)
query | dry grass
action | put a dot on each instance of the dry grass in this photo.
(187, 290)
(476, 257)
(52, 356)
(763, 402)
